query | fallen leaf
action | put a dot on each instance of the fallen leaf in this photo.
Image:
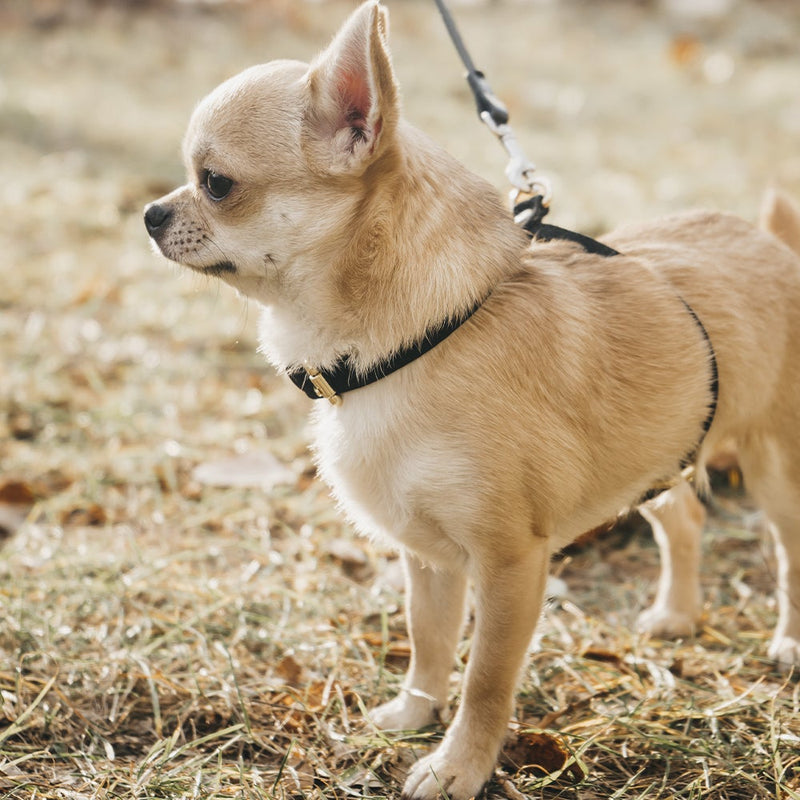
(290, 670)
(257, 470)
(352, 559)
(396, 651)
(22, 424)
(538, 752)
(93, 514)
(684, 50)
(606, 656)
(11, 518)
(346, 551)
(17, 493)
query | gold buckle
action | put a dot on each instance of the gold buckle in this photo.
(321, 386)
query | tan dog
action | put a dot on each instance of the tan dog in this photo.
(578, 383)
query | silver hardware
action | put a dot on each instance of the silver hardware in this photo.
(520, 170)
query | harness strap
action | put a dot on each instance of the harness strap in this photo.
(547, 233)
(714, 385)
(530, 215)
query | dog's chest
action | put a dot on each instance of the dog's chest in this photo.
(393, 480)
(368, 463)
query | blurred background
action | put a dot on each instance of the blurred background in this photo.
(631, 107)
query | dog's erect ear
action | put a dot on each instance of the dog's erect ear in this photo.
(353, 103)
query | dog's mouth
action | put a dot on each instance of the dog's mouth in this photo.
(218, 269)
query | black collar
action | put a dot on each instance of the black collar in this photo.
(332, 383)
(343, 377)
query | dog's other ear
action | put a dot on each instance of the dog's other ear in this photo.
(353, 106)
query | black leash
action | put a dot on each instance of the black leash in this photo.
(528, 213)
(520, 170)
(485, 99)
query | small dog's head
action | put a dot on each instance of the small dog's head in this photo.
(278, 159)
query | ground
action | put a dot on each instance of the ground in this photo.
(162, 636)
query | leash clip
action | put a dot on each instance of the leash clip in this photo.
(520, 170)
(321, 386)
(492, 111)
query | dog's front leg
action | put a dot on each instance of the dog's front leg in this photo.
(509, 587)
(435, 614)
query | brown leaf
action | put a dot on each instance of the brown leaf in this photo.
(684, 50)
(397, 651)
(17, 493)
(289, 670)
(539, 752)
(93, 514)
(51, 482)
(605, 656)
(22, 424)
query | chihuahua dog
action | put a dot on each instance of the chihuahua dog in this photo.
(541, 387)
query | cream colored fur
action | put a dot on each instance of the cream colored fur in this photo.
(579, 383)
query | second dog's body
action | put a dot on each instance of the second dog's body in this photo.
(578, 383)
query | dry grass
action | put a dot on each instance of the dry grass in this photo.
(161, 638)
(235, 660)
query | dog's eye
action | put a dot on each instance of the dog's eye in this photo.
(218, 186)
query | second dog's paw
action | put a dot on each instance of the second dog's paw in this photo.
(666, 623)
(786, 651)
(437, 776)
(409, 711)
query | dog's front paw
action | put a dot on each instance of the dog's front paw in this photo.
(441, 775)
(409, 711)
(667, 623)
(785, 650)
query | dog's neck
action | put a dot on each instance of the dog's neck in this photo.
(416, 251)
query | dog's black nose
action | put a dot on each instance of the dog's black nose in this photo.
(156, 218)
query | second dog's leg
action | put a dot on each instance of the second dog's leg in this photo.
(771, 466)
(509, 587)
(785, 645)
(677, 519)
(435, 613)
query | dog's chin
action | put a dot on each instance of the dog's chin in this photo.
(218, 269)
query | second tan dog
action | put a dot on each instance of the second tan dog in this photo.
(576, 384)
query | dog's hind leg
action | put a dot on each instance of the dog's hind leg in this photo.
(435, 614)
(677, 518)
(771, 469)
